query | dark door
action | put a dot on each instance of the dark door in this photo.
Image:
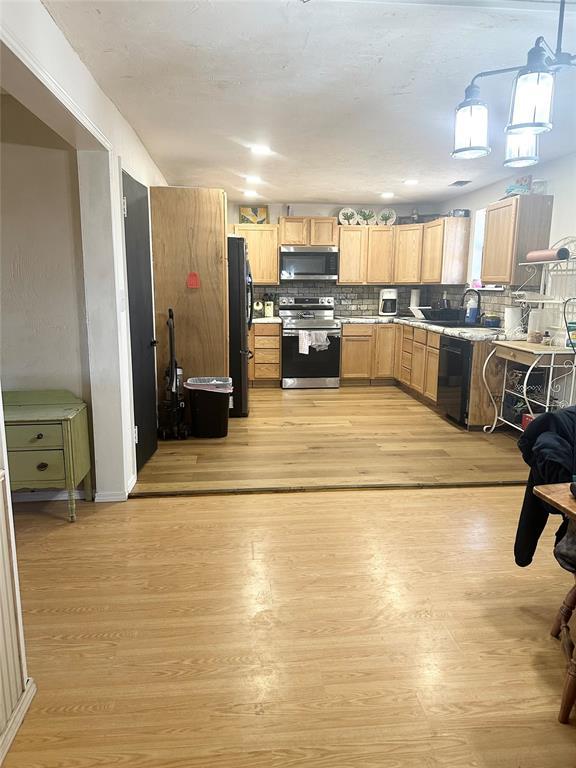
(139, 269)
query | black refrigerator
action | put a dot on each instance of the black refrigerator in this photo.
(240, 300)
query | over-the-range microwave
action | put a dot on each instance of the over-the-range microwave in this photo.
(308, 262)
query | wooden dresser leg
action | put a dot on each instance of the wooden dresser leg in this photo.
(565, 612)
(71, 505)
(569, 692)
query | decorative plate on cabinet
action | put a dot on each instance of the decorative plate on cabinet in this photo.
(348, 216)
(387, 217)
(366, 216)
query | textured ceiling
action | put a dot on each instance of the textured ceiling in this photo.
(353, 96)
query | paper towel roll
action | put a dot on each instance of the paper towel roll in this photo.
(512, 319)
(415, 297)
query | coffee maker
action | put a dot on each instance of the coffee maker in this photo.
(388, 303)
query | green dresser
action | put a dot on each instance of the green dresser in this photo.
(48, 445)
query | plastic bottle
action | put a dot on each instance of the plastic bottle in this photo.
(471, 311)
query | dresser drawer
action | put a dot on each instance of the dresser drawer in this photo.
(34, 466)
(33, 436)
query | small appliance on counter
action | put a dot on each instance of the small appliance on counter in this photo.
(388, 303)
(268, 305)
(258, 309)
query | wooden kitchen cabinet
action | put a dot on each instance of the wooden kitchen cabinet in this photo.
(353, 255)
(357, 351)
(408, 253)
(380, 256)
(445, 247)
(384, 351)
(431, 373)
(417, 375)
(513, 227)
(294, 230)
(262, 245)
(324, 230)
(265, 344)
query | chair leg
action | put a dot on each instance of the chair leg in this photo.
(569, 692)
(565, 613)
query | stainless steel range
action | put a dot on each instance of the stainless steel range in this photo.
(310, 342)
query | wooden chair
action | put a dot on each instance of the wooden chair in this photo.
(561, 631)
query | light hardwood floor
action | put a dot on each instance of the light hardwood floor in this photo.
(366, 629)
(348, 437)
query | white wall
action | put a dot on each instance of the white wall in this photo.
(42, 312)
(42, 70)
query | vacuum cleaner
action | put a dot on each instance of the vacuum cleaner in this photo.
(172, 410)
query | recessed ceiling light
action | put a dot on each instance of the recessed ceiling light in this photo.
(261, 149)
(253, 179)
(411, 182)
(387, 195)
(251, 193)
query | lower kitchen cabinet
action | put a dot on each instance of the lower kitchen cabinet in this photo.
(265, 344)
(431, 373)
(384, 351)
(418, 371)
(357, 351)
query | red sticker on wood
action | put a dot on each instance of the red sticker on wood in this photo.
(193, 280)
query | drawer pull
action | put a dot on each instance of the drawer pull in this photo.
(39, 436)
(42, 466)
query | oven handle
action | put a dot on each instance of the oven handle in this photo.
(331, 332)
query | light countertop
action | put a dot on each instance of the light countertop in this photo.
(275, 319)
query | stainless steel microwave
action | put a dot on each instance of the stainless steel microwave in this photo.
(308, 262)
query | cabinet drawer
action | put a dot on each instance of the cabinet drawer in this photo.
(420, 335)
(407, 345)
(357, 329)
(405, 375)
(33, 466)
(407, 332)
(406, 360)
(266, 371)
(33, 436)
(266, 356)
(267, 329)
(267, 342)
(434, 339)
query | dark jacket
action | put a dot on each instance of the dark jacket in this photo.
(548, 447)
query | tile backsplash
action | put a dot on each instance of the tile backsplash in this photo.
(355, 300)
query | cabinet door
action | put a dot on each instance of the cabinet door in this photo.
(499, 248)
(353, 255)
(324, 230)
(380, 262)
(431, 374)
(294, 230)
(398, 352)
(356, 357)
(262, 244)
(384, 348)
(432, 251)
(418, 367)
(407, 253)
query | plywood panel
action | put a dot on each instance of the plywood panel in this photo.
(189, 235)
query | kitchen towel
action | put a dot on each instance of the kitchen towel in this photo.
(318, 340)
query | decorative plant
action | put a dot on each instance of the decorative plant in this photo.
(385, 216)
(348, 216)
(366, 214)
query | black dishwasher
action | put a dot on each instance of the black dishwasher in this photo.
(454, 378)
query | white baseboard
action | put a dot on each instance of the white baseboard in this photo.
(25, 496)
(107, 497)
(131, 483)
(9, 733)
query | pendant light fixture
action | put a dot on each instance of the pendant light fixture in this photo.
(521, 150)
(471, 126)
(531, 103)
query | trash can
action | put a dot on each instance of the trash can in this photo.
(209, 405)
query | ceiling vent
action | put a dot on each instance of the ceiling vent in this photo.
(460, 183)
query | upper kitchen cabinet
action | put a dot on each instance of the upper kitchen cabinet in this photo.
(380, 259)
(303, 230)
(353, 255)
(408, 253)
(294, 230)
(514, 227)
(262, 244)
(445, 244)
(324, 230)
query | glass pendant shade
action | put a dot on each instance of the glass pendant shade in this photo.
(531, 108)
(471, 127)
(521, 150)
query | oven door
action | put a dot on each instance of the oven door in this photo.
(304, 263)
(319, 368)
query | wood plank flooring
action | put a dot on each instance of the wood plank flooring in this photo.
(344, 438)
(366, 629)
